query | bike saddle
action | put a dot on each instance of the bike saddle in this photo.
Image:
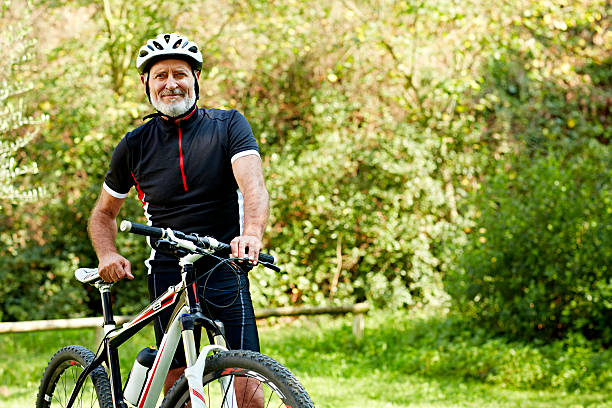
(87, 275)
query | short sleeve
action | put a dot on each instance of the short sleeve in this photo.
(119, 179)
(241, 140)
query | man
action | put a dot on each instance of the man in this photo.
(186, 164)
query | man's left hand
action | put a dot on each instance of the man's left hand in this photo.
(243, 243)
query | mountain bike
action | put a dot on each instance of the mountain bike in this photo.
(76, 377)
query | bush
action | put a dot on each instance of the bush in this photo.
(538, 262)
(449, 349)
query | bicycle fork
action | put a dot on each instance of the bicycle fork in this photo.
(197, 364)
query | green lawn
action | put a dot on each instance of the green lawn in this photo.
(403, 361)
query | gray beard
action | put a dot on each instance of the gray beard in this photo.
(176, 108)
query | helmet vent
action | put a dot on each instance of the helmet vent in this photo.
(168, 46)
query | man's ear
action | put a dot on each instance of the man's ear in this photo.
(143, 79)
(197, 74)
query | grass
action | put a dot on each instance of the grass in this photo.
(403, 361)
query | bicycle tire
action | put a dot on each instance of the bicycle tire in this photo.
(60, 377)
(281, 388)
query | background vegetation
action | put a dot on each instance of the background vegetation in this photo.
(417, 153)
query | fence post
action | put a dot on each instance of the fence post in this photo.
(358, 325)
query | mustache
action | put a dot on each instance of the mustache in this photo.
(172, 92)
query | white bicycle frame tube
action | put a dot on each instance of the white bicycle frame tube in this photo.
(154, 384)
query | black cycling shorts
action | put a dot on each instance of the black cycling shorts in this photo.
(224, 295)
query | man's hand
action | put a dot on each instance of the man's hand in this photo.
(114, 267)
(241, 243)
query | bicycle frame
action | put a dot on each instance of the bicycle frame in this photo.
(182, 299)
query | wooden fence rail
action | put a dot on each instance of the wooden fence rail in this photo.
(358, 310)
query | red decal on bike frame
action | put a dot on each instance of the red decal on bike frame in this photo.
(197, 394)
(143, 397)
(167, 302)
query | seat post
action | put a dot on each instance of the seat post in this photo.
(107, 305)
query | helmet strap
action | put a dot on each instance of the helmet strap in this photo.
(196, 86)
(147, 90)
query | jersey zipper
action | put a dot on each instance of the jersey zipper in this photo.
(180, 141)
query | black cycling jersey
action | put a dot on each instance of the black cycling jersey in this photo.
(182, 170)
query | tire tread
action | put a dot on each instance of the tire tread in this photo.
(268, 367)
(98, 376)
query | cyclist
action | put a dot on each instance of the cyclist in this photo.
(190, 167)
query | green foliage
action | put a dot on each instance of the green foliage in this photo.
(368, 220)
(19, 130)
(16, 124)
(537, 264)
(38, 347)
(448, 349)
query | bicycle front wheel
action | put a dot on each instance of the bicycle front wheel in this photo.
(259, 381)
(61, 375)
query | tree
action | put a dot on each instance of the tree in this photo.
(16, 124)
(19, 128)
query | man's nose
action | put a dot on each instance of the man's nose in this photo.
(171, 83)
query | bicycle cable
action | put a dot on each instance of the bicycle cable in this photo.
(230, 262)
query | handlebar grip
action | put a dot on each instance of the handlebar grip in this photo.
(141, 229)
(266, 258)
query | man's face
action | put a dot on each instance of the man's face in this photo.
(171, 86)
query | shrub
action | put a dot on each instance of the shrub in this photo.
(538, 262)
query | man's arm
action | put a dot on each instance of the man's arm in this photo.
(249, 175)
(102, 230)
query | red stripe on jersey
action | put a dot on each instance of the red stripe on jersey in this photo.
(181, 157)
(140, 192)
(178, 122)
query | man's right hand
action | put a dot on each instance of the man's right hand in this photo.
(114, 267)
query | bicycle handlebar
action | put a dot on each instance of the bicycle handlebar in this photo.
(207, 243)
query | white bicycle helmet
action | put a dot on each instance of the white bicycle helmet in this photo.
(166, 46)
